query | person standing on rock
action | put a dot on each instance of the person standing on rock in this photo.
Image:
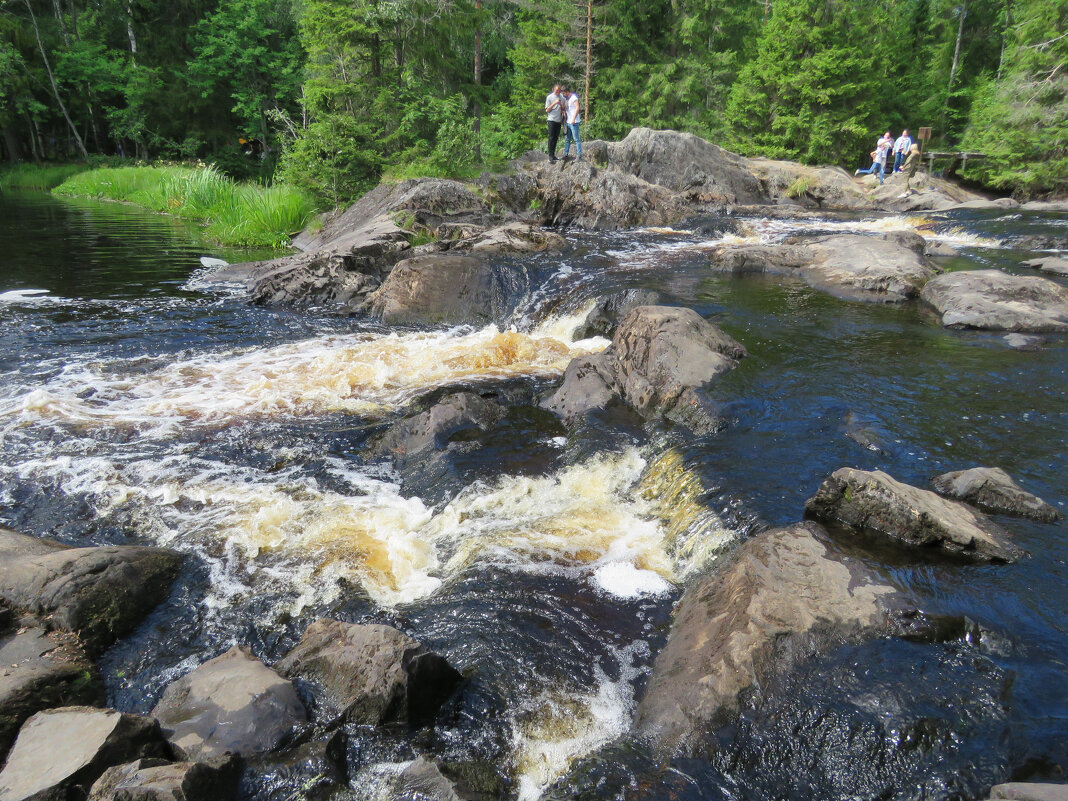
(554, 111)
(902, 145)
(572, 120)
(878, 157)
(912, 164)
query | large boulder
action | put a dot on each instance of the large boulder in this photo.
(230, 704)
(812, 187)
(159, 780)
(783, 596)
(993, 490)
(659, 359)
(100, 593)
(61, 752)
(995, 300)
(884, 269)
(875, 504)
(41, 670)
(446, 289)
(371, 674)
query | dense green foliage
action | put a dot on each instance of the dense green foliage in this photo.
(336, 94)
(237, 214)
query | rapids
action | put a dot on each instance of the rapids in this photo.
(141, 402)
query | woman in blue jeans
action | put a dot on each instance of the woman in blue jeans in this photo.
(882, 150)
(572, 120)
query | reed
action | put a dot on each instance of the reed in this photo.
(38, 176)
(236, 214)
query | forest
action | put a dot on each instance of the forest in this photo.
(334, 95)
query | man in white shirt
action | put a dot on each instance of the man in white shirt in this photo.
(554, 112)
(878, 157)
(902, 146)
(572, 120)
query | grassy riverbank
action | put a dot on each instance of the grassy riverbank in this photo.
(39, 176)
(236, 213)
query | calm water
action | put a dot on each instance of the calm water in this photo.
(139, 403)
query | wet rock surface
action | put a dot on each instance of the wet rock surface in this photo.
(159, 780)
(605, 316)
(659, 358)
(100, 593)
(1055, 265)
(886, 269)
(993, 490)
(875, 504)
(1028, 791)
(40, 670)
(61, 752)
(991, 299)
(781, 597)
(371, 674)
(232, 703)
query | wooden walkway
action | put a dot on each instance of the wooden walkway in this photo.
(953, 157)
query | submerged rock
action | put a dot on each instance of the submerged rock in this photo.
(371, 673)
(232, 703)
(995, 300)
(660, 356)
(100, 593)
(874, 503)
(993, 490)
(159, 780)
(783, 596)
(886, 269)
(446, 289)
(41, 670)
(1024, 341)
(459, 415)
(61, 750)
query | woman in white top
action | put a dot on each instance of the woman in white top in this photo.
(572, 122)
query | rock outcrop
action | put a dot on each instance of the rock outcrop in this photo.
(460, 415)
(886, 269)
(875, 504)
(371, 674)
(995, 300)
(811, 187)
(40, 670)
(1055, 265)
(993, 490)
(783, 596)
(61, 750)
(230, 704)
(659, 358)
(100, 593)
(1029, 791)
(159, 780)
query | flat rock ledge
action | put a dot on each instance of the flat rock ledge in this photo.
(100, 593)
(1055, 265)
(371, 674)
(875, 504)
(230, 704)
(61, 750)
(993, 490)
(784, 596)
(659, 358)
(994, 300)
(159, 780)
(886, 269)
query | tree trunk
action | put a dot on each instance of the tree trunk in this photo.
(130, 33)
(62, 25)
(11, 142)
(478, 81)
(589, 61)
(956, 50)
(52, 81)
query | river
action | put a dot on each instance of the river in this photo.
(140, 403)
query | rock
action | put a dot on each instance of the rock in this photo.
(887, 269)
(928, 193)
(814, 187)
(995, 300)
(1049, 264)
(1024, 342)
(232, 703)
(41, 670)
(446, 289)
(939, 249)
(158, 780)
(993, 490)
(660, 356)
(517, 237)
(874, 503)
(423, 780)
(371, 674)
(1040, 242)
(318, 767)
(100, 593)
(60, 752)
(1029, 791)
(1046, 205)
(985, 204)
(459, 415)
(607, 312)
(783, 596)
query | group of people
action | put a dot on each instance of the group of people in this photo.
(906, 157)
(562, 109)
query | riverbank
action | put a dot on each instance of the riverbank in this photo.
(237, 214)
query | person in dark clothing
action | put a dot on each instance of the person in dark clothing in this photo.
(554, 112)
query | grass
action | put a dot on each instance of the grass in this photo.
(38, 176)
(236, 214)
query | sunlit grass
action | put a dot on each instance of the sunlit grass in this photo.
(236, 214)
(38, 176)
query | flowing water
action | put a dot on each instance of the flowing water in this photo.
(141, 403)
